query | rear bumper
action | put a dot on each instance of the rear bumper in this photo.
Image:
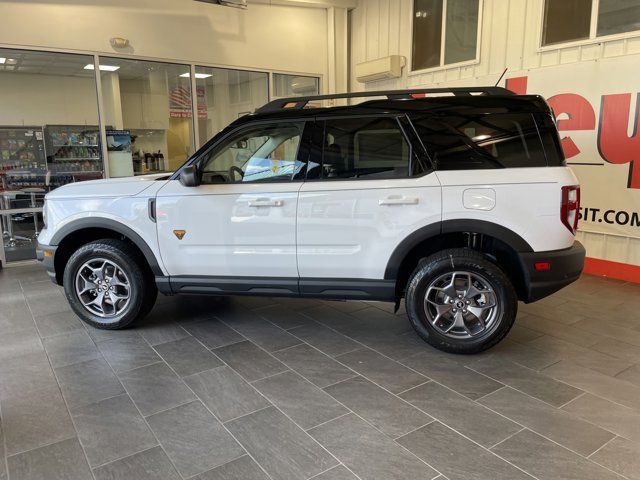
(48, 259)
(566, 267)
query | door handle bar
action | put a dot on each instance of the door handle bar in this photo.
(266, 203)
(399, 201)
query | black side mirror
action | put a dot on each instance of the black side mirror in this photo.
(189, 176)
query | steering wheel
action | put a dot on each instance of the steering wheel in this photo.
(232, 171)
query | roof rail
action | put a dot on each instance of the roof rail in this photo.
(296, 103)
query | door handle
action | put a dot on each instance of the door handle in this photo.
(265, 202)
(397, 200)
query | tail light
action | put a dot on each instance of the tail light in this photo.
(570, 207)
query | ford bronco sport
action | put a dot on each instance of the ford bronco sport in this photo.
(458, 201)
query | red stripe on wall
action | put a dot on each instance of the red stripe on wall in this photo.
(607, 268)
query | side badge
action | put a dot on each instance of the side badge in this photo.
(179, 233)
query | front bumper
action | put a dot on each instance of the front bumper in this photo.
(565, 267)
(46, 254)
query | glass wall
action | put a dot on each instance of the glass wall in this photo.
(225, 95)
(147, 115)
(51, 131)
(294, 85)
(48, 137)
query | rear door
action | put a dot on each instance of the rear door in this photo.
(367, 189)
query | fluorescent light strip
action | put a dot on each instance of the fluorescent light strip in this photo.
(198, 75)
(106, 68)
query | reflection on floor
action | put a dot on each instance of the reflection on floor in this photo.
(258, 388)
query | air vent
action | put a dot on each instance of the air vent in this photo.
(227, 3)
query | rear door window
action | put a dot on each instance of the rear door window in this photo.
(478, 141)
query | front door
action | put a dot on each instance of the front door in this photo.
(241, 221)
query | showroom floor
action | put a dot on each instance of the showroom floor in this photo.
(252, 388)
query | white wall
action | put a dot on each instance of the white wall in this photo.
(263, 36)
(510, 36)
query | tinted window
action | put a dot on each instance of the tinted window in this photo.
(265, 152)
(462, 142)
(566, 20)
(368, 148)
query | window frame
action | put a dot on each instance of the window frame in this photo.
(304, 150)
(443, 35)
(316, 153)
(593, 30)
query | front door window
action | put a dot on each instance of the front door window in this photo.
(259, 153)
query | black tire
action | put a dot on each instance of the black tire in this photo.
(142, 288)
(446, 262)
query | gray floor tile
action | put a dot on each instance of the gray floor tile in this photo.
(601, 385)
(187, 356)
(25, 373)
(155, 388)
(631, 374)
(111, 429)
(328, 315)
(284, 317)
(249, 360)
(528, 381)
(381, 370)
(369, 453)
(452, 373)
(22, 342)
(383, 410)
(57, 323)
(558, 425)
(397, 347)
(616, 418)
(522, 354)
(194, 439)
(299, 399)
(3, 458)
(616, 348)
(152, 464)
(280, 446)
(260, 331)
(598, 327)
(569, 333)
(336, 473)
(127, 353)
(324, 339)
(161, 331)
(88, 382)
(315, 366)
(522, 334)
(34, 419)
(99, 335)
(73, 347)
(243, 468)
(213, 333)
(47, 302)
(225, 393)
(550, 461)
(59, 461)
(587, 357)
(457, 457)
(621, 456)
(14, 314)
(465, 416)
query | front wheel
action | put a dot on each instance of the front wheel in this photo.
(460, 302)
(107, 284)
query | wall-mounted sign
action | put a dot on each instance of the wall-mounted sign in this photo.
(119, 151)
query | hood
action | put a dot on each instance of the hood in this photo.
(110, 188)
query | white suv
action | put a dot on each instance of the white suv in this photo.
(459, 201)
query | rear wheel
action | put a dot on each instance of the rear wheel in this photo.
(107, 284)
(460, 302)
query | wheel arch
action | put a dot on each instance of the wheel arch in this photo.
(85, 230)
(499, 243)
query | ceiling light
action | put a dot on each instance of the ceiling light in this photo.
(2, 60)
(198, 75)
(106, 68)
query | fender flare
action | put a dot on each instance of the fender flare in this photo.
(494, 230)
(108, 224)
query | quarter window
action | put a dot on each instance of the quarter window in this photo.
(574, 20)
(445, 32)
(260, 153)
(367, 148)
(466, 142)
